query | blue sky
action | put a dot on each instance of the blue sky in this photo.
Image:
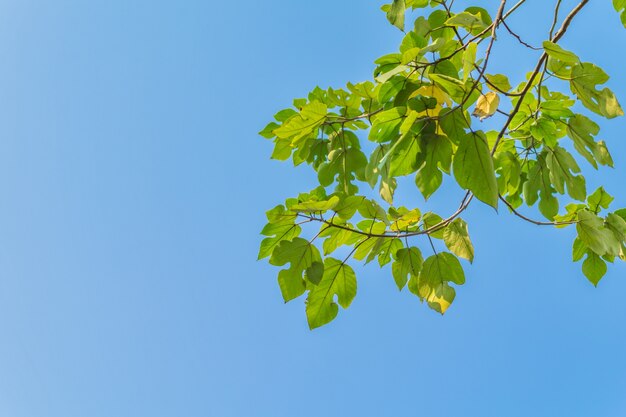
(133, 189)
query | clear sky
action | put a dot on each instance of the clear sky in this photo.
(133, 186)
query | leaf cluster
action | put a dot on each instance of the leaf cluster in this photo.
(420, 116)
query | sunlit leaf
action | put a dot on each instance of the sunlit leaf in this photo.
(473, 168)
(487, 105)
(414, 117)
(555, 51)
(396, 13)
(408, 262)
(338, 280)
(457, 240)
(594, 268)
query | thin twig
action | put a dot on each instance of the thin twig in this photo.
(519, 38)
(537, 222)
(531, 79)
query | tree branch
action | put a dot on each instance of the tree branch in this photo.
(542, 59)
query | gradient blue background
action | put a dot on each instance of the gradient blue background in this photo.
(132, 190)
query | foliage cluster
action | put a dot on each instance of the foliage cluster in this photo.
(414, 119)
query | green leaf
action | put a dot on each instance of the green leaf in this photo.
(388, 186)
(556, 108)
(281, 227)
(408, 261)
(338, 280)
(282, 149)
(268, 131)
(291, 284)
(479, 11)
(412, 41)
(544, 129)
(415, 4)
(563, 166)
(592, 232)
(599, 199)
(404, 155)
(620, 7)
(469, 59)
(454, 124)
(386, 125)
(510, 169)
(458, 241)
(390, 89)
(388, 249)
(370, 209)
(310, 117)
(372, 170)
(603, 155)
(428, 181)
(430, 220)
(555, 51)
(582, 130)
(315, 272)
(316, 206)
(579, 249)
(443, 266)
(437, 154)
(585, 78)
(344, 165)
(473, 168)
(405, 219)
(473, 23)
(370, 247)
(371, 226)
(413, 118)
(301, 255)
(499, 81)
(422, 103)
(336, 237)
(277, 233)
(346, 208)
(432, 282)
(395, 15)
(395, 71)
(454, 87)
(539, 182)
(284, 115)
(572, 213)
(594, 268)
(621, 213)
(617, 225)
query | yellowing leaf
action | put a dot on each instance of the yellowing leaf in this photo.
(441, 298)
(435, 92)
(432, 283)
(486, 105)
